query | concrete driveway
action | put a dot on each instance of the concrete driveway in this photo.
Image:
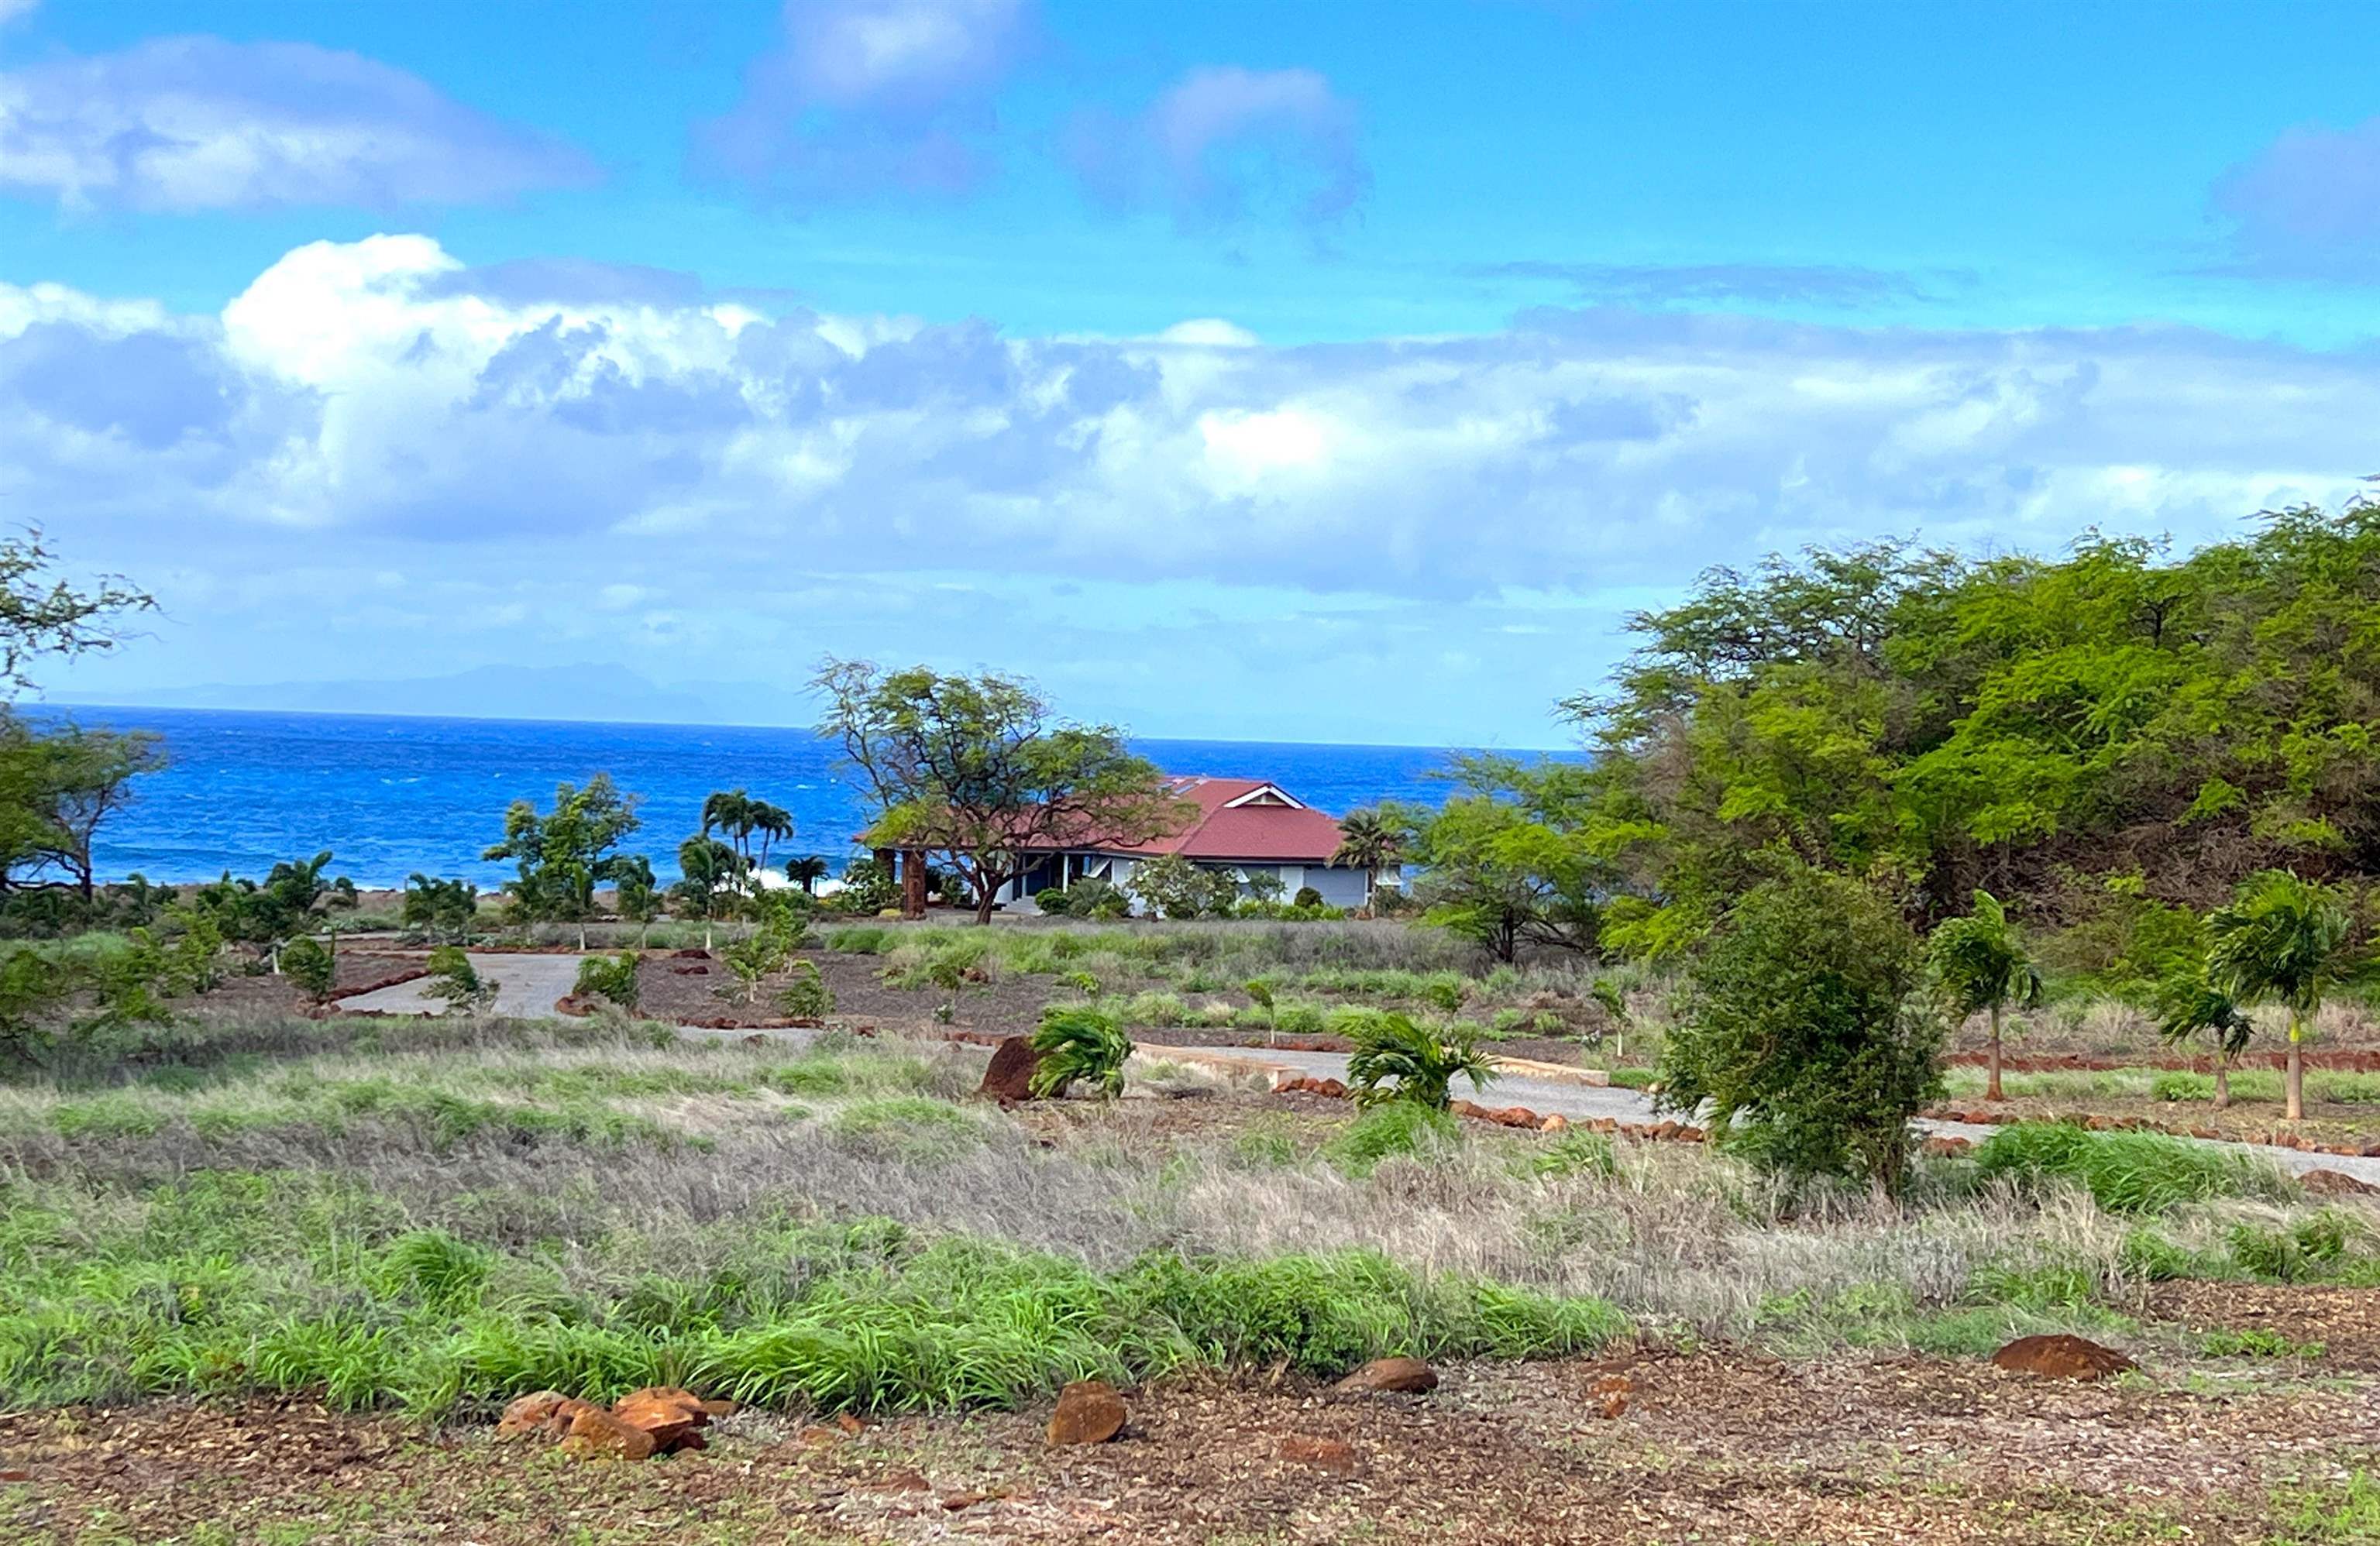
(526, 987)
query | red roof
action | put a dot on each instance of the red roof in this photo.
(1266, 824)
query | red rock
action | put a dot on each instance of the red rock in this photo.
(544, 1413)
(1555, 1123)
(1089, 1412)
(1010, 1078)
(1403, 1376)
(1513, 1116)
(1330, 1087)
(906, 1479)
(2061, 1357)
(674, 1418)
(1666, 1130)
(597, 1434)
(1328, 1454)
(2336, 1183)
(850, 1424)
(1466, 1108)
(691, 954)
(720, 1408)
(958, 1501)
(1608, 1395)
(818, 1436)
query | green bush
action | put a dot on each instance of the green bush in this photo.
(2125, 1172)
(806, 996)
(2293, 1253)
(306, 963)
(1079, 1042)
(612, 977)
(1396, 1128)
(453, 979)
(1805, 1031)
(2176, 1084)
(861, 941)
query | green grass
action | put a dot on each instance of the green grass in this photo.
(229, 1284)
(2335, 1512)
(2125, 1172)
(1393, 1127)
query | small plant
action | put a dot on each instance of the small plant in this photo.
(2190, 1004)
(1078, 1042)
(1259, 992)
(1398, 1059)
(1444, 993)
(455, 981)
(1397, 1127)
(753, 958)
(807, 996)
(1576, 1153)
(612, 977)
(313, 967)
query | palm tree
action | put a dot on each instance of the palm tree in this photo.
(1368, 841)
(1979, 960)
(2280, 939)
(806, 871)
(774, 824)
(711, 870)
(2188, 1005)
(639, 894)
(1422, 1060)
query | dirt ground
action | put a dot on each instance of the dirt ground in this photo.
(361, 968)
(1649, 1446)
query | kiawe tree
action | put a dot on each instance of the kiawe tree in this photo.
(2283, 940)
(560, 856)
(975, 771)
(1502, 867)
(1983, 967)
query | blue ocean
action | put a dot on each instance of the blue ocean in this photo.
(390, 796)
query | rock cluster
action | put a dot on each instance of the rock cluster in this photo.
(658, 1419)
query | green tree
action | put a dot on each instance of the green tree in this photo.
(1171, 887)
(806, 995)
(975, 769)
(1982, 968)
(755, 957)
(2188, 1005)
(310, 966)
(1501, 865)
(805, 872)
(560, 856)
(456, 982)
(435, 907)
(710, 881)
(1397, 1058)
(84, 779)
(639, 894)
(2280, 940)
(1803, 1031)
(735, 812)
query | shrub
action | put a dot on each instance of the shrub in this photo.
(863, 941)
(1307, 897)
(1396, 1128)
(2124, 1172)
(807, 996)
(612, 977)
(1803, 1034)
(1421, 1059)
(2176, 1084)
(1079, 1042)
(457, 982)
(306, 963)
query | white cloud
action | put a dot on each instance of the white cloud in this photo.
(197, 123)
(862, 98)
(368, 396)
(1222, 141)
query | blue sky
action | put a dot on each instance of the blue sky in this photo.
(1312, 370)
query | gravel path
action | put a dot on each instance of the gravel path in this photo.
(526, 986)
(1548, 1096)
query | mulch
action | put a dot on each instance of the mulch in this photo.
(1646, 1445)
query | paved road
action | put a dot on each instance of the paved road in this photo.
(1548, 1096)
(526, 987)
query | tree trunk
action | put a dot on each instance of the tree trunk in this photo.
(1992, 1084)
(987, 893)
(2222, 1084)
(2297, 1067)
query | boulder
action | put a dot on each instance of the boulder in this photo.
(543, 1414)
(674, 1418)
(1089, 1412)
(1332, 1088)
(1402, 1376)
(596, 1434)
(1325, 1455)
(2061, 1357)
(1010, 1077)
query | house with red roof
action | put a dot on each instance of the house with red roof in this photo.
(1250, 826)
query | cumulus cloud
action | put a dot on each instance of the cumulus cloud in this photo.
(866, 97)
(2308, 205)
(1222, 141)
(382, 395)
(197, 123)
